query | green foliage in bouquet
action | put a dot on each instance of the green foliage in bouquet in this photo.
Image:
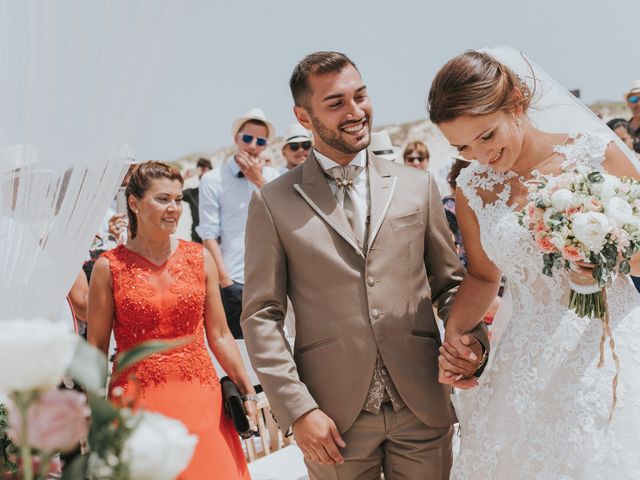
(7, 449)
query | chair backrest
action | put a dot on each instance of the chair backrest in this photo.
(270, 437)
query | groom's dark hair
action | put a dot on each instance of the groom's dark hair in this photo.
(314, 63)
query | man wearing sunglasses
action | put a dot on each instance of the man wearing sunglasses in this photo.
(297, 143)
(633, 102)
(224, 199)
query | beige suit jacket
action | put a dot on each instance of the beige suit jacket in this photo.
(349, 303)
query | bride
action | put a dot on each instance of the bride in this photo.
(541, 409)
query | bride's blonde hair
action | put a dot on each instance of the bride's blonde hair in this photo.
(475, 83)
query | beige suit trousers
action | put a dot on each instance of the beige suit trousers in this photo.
(396, 443)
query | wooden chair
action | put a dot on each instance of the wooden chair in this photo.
(271, 438)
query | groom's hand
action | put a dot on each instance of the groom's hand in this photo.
(318, 438)
(459, 358)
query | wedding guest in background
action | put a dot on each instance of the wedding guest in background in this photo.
(190, 195)
(416, 155)
(297, 143)
(156, 287)
(633, 102)
(382, 147)
(620, 127)
(224, 199)
(449, 202)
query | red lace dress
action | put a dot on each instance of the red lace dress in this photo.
(167, 301)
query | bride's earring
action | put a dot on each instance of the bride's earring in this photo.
(517, 121)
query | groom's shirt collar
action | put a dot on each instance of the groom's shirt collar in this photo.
(360, 160)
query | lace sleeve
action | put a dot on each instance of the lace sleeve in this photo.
(586, 149)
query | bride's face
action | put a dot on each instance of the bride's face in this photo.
(494, 139)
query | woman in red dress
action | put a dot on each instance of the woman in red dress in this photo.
(155, 287)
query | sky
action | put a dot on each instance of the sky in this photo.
(232, 56)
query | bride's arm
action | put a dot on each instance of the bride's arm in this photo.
(476, 294)
(618, 164)
(480, 284)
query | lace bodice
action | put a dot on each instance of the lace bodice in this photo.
(510, 246)
(541, 411)
(161, 302)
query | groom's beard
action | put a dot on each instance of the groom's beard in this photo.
(335, 140)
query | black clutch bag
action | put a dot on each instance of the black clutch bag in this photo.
(234, 407)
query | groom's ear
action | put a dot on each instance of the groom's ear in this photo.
(302, 116)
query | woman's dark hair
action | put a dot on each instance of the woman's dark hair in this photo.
(615, 123)
(456, 168)
(140, 182)
(475, 83)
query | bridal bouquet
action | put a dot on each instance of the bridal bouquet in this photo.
(585, 216)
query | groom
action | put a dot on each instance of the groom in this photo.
(361, 247)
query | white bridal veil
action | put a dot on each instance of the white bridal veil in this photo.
(553, 109)
(76, 84)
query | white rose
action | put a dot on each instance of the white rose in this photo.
(159, 448)
(607, 188)
(546, 216)
(618, 212)
(557, 241)
(590, 229)
(562, 199)
(34, 354)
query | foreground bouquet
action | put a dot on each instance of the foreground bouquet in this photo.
(584, 217)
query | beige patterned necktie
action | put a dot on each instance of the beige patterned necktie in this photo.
(344, 178)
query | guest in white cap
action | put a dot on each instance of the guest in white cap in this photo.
(297, 143)
(633, 102)
(382, 147)
(225, 193)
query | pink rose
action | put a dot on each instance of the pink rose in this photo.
(56, 421)
(539, 227)
(622, 237)
(593, 205)
(572, 211)
(544, 244)
(572, 254)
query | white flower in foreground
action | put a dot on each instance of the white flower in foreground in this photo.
(562, 199)
(590, 229)
(159, 448)
(34, 354)
(619, 212)
(607, 188)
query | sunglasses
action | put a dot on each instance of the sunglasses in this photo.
(413, 159)
(246, 138)
(633, 99)
(306, 145)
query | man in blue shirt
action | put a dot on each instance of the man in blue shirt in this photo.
(225, 193)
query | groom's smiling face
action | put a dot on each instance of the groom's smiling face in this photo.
(338, 112)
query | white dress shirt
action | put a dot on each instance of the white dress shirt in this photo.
(224, 206)
(360, 191)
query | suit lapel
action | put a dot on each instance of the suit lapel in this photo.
(381, 188)
(315, 190)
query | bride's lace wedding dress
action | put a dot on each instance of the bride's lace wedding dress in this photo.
(541, 410)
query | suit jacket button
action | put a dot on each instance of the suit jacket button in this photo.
(371, 281)
(375, 313)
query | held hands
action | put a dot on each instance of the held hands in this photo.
(318, 438)
(459, 359)
(251, 167)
